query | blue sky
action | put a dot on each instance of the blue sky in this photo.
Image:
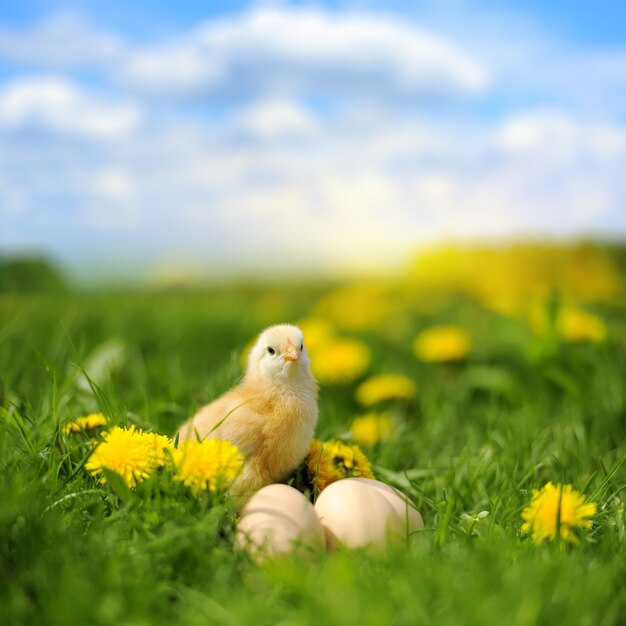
(338, 136)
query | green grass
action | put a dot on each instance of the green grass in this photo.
(479, 436)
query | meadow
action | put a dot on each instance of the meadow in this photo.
(516, 362)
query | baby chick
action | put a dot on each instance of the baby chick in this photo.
(271, 415)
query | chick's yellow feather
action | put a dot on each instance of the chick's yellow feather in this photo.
(271, 415)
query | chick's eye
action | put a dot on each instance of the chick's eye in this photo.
(301, 347)
(271, 350)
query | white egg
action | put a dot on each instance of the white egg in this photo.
(275, 520)
(411, 518)
(355, 515)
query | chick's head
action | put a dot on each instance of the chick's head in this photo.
(279, 354)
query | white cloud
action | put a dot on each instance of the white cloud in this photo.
(113, 184)
(536, 130)
(286, 49)
(557, 132)
(178, 67)
(58, 105)
(111, 201)
(12, 197)
(60, 40)
(275, 118)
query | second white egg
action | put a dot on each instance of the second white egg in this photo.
(353, 514)
(411, 518)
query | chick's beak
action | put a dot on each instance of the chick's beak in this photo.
(291, 354)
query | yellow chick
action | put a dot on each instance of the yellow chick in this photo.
(271, 415)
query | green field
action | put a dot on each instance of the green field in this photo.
(522, 409)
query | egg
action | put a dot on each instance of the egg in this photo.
(411, 518)
(275, 520)
(354, 514)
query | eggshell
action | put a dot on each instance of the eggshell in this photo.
(275, 520)
(354, 514)
(411, 518)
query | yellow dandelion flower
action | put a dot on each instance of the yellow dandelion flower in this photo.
(385, 387)
(321, 470)
(330, 461)
(318, 332)
(127, 452)
(505, 304)
(556, 506)
(371, 428)
(357, 307)
(207, 465)
(538, 317)
(83, 424)
(442, 343)
(576, 325)
(162, 448)
(340, 361)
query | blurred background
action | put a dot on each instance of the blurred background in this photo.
(163, 143)
(432, 190)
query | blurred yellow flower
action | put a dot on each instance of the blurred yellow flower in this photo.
(83, 424)
(371, 428)
(357, 307)
(317, 332)
(556, 508)
(207, 465)
(508, 276)
(504, 304)
(128, 452)
(330, 461)
(576, 325)
(340, 361)
(442, 343)
(538, 316)
(162, 448)
(385, 387)
(572, 323)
